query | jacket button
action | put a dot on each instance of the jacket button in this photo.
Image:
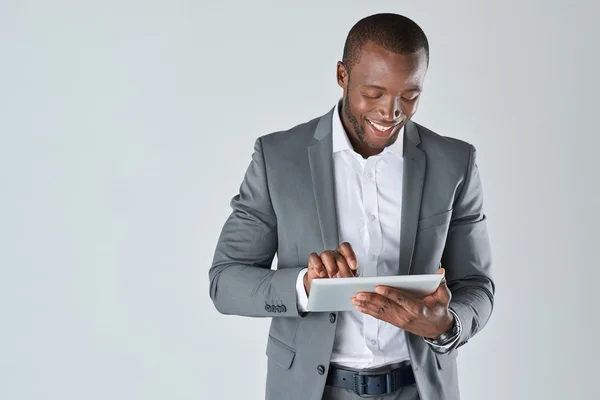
(321, 369)
(268, 308)
(332, 318)
(278, 308)
(283, 309)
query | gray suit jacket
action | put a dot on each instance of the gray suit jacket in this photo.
(286, 206)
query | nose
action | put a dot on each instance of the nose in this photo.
(391, 110)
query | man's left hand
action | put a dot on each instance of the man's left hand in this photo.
(424, 316)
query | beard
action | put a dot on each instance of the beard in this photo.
(359, 130)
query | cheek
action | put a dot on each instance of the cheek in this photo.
(358, 105)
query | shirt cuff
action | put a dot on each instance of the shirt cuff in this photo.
(301, 297)
(448, 345)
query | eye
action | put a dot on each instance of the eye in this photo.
(371, 95)
(411, 100)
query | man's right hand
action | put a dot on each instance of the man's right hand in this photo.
(331, 263)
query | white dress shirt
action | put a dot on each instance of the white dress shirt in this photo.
(369, 202)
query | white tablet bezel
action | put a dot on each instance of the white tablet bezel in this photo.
(335, 294)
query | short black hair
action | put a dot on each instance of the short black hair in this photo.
(393, 32)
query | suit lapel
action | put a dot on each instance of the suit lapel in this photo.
(412, 191)
(320, 155)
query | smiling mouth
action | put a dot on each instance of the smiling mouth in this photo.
(382, 130)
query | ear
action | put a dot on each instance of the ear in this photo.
(342, 75)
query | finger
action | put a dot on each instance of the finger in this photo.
(441, 271)
(315, 265)
(375, 305)
(385, 309)
(403, 298)
(375, 313)
(344, 270)
(442, 295)
(346, 250)
(373, 301)
(328, 259)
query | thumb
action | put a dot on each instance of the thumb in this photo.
(443, 272)
(442, 293)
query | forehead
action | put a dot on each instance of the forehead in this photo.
(386, 68)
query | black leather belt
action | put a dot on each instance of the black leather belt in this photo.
(369, 385)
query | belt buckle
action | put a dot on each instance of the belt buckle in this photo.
(360, 385)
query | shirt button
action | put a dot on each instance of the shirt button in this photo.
(373, 257)
(332, 318)
(373, 342)
(321, 370)
(372, 217)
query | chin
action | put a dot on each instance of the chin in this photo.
(378, 143)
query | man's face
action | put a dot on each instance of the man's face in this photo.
(381, 94)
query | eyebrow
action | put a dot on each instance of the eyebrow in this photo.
(415, 89)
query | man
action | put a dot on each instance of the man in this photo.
(361, 189)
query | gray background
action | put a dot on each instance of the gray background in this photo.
(126, 127)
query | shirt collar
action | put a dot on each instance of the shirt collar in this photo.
(341, 141)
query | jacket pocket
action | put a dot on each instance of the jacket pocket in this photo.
(279, 353)
(435, 220)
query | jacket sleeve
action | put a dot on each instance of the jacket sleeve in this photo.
(467, 257)
(241, 279)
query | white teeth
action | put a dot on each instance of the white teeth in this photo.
(378, 127)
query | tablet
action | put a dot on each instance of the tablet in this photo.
(335, 294)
